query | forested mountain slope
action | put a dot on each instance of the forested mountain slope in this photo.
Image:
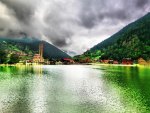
(30, 46)
(133, 41)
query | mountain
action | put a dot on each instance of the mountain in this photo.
(133, 41)
(31, 45)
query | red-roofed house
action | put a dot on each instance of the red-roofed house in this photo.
(68, 61)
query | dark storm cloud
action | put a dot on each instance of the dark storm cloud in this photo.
(1, 29)
(141, 3)
(91, 20)
(60, 39)
(94, 12)
(22, 9)
(68, 23)
(89, 12)
(59, 27)
(19, 14)
(60, 42)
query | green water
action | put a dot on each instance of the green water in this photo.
(74, 89)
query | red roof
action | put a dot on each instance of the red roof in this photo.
(67, 59)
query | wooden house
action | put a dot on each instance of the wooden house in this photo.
(141, 61)
(127, 61)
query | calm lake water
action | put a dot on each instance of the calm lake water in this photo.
(74, 89)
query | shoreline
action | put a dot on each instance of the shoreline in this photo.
(131, 65)
(94, 64)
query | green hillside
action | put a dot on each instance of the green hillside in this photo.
(13, 47)
(133, 41)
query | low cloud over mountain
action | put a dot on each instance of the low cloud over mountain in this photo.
(74, 25)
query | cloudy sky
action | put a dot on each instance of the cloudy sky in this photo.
(71, 25)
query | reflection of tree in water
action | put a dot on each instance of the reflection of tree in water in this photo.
(132, 84)
(17, 90)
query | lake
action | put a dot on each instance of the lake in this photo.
(74, 89)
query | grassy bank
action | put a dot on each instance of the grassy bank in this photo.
(133, 65)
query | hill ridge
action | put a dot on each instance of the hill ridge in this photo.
(120, 31)
(50, 51)
(132, 41)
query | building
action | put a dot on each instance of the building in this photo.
(148, 62)
(141, 61)
(115, 62)
(105, 61)
(111, 61)
(58, 63)
(86, 60)
(38, 58)
(68, 61)
(127, 61)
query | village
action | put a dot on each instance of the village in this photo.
(125, 61)
(38, 59)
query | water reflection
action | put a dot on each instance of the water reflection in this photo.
(133, 89)
(74, 89)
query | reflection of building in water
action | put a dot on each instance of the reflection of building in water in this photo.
(38, 58)
(38, 70)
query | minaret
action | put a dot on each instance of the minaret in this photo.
(41, 50)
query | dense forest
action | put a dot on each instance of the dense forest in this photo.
(10, 52)
(133, 41)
